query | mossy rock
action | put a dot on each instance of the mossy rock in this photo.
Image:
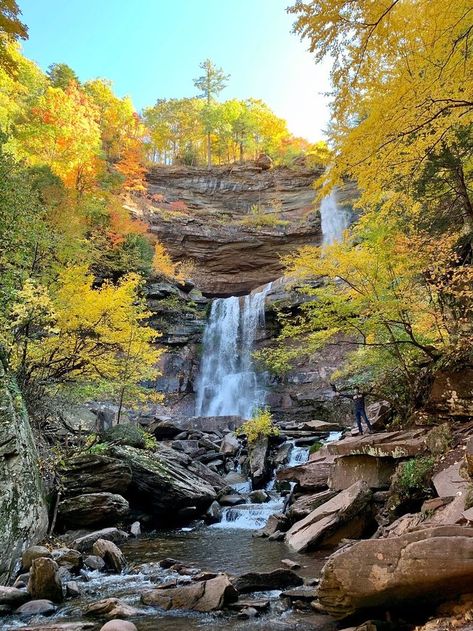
(125, 435)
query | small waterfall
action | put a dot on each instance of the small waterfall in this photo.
(249, 516)
(297, 456)
(228, 383)
(334, 219)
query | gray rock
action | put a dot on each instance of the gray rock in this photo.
(94, 562)
(214, 513)
(263, 581)
(32, 553)
(258, 460)
(230, 445)
(13, 597)
(92, 473)
(118, 625)
(92, 509)
(72, 589)
(68, 558)
(135, 529)
(39, 607)
(86, 542)
(23, 507)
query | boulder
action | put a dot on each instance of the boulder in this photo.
(345, 515)
(165, 481)
(312, 475)
(39, 607)
(92, 473)
(92, 509)
(232, 500)
(258, 462)
(23, 505)
(203, 596)
(94, 562)
(125, 434)
(230, 445)
(401, 444)
(86, 542)
(260, 496)
(32, 553)
(283, 454)
(118, 625)
(111, 608)
(263, 581)
(305, 504)
(68, 558)
(44, 582)
(135, 529)
(110, 553)
(12, 597)
(421, 567)
(451, 393)
(449, 482)
(347, 470)
(275, 523)
(264, 162)
(214, 513)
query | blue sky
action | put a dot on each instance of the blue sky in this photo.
(152, 48)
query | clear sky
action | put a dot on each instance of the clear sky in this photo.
(152, 48)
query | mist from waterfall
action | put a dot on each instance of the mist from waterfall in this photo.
(228, 383)
(334, 219)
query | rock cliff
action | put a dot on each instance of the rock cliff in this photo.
(23, 510)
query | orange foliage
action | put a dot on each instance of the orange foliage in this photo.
(131, 167)
(162, 262)
(122, 224)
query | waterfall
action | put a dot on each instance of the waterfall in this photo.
(334, 219)
(228, 383)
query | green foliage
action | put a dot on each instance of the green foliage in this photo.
(258, 217)
(413, 476)
(259, 426)
(315, 447)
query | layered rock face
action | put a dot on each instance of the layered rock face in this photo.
(231, 257)
(23, 509)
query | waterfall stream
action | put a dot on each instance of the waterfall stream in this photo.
(334, 219)
(228, 383)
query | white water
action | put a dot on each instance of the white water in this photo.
(334, 219)
(249, 516)
(228, 383)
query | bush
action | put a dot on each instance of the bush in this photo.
(258, 218)
(314, 448)
(413, 476)
(260, 426)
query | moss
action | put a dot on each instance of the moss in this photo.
(413, 476)
(314, 448)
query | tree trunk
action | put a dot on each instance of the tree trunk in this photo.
(209, 151)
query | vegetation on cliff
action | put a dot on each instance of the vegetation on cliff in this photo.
(399, 286)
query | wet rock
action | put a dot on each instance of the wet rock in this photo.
(305, 504)
(230, 445)
(428, 565)
(283, 454)
(86, 542)
(39, 607)
(92, 509)
(203, 596)
(232, 500)
(94, 562)
(247, 613)
(110, 553)
(260, 605)
(118, 625)
(214, 513)
(165, 479)
(72, 589)
(135, 529)
(111, 608)
(347, 470)
(303, 593)
(67, 557)
(292, 565)
(259, 496)
(312, 475)
(13, 597)
(44, 580)
(262, 581)
(93, 473)
(61, 626)
(258, 462)
(32, 553)
(276, 523)
(343, 516)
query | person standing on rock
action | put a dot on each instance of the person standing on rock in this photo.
(359, 408)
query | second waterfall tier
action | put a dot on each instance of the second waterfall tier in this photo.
(228, 382)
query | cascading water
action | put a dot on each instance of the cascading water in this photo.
(334, 219)
(228, 383)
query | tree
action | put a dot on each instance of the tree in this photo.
(11, 29)
(61, 76)
(211, 83)
(77, 336)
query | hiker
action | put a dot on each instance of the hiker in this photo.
(359, 410)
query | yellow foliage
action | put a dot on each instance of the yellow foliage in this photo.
(163, 264)
(260, 426)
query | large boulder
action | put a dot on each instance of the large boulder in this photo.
(110, 553)
(118, 625)
(451, 393)
(92, 509)
(305, 504)
(345, 515)
(23, 507)
(312, 475)
(44, 582)
(426, 566)
(204, 596)
(32, 553)
(258, 462)
(264, 581)
(84, 543)
(347, 470)
(401, 444)
(165, 481)
(92, 473)
(12, 597)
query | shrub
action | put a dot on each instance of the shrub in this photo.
(258, 218)
(260, 426)
(413, 476)
(314, 448)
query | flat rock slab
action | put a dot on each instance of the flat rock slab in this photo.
(342, 516)
(384, 444)
(262, 581)
(312, 475)
(449, 482)
(420, 567)
(347, 470)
